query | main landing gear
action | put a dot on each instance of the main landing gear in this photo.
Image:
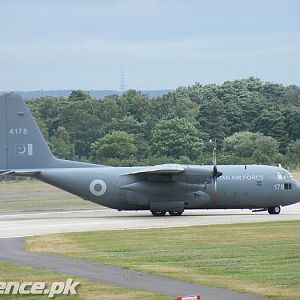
(158, 213)
(175, 213)
(274, 210)
(163, 213)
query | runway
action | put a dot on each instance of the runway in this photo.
(39, 223)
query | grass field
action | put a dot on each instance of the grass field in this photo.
(87, 290)
(262, 259)
(33, 195)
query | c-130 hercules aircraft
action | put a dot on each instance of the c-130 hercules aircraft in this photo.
(163, 188)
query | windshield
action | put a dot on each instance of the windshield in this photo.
(282, 175)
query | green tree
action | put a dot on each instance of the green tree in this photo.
(240, 144)
(60, 144)
(128, 124)
(37, 117)
(174, 105)
(234, 117)
(252, 147)
(212, 119)
(267, 150)
(292, 96)
(292, 122)
(135, 104)
(116, 145)
(79, 95)
(194, 93)
(217, 110)
(176, 138)
(81, 121)
(294, 153)
(271, 122)
(273, 91)
(47, 110)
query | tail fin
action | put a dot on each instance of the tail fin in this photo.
(22, 146)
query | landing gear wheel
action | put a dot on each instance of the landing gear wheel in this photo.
(274, 210)
(175, 213)
(158, 213)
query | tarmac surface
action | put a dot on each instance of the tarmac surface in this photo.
(15, 226)
(39, 223)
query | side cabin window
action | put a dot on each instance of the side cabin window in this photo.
(287, 186)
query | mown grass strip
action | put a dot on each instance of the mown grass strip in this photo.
(261, 258)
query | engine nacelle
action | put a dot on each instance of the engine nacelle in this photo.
(195, 175)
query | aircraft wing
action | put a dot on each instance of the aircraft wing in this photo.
(174, 173)
(165, 169)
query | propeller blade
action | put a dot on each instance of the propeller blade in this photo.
(215, 185)
(215, 173)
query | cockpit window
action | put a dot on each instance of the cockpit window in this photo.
(283, 175)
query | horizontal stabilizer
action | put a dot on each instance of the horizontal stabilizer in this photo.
(5, 172)
(20, 172)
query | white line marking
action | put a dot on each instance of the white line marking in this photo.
(15, 236)
(52, 212)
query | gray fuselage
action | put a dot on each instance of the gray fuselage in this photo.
(240, 186)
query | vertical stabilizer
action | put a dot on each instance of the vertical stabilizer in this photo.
(22, 146)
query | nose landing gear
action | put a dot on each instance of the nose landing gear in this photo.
(274, 210)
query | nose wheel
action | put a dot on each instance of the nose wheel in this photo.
(274, 210)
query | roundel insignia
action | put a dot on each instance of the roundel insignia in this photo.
(98, 187)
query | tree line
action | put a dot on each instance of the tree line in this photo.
(250, 121)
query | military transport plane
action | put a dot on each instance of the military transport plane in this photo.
(163, 188)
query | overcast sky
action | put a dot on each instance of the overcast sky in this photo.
(77, 44)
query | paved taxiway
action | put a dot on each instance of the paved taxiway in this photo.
(38, 223)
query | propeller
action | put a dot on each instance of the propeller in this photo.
(215, 173)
